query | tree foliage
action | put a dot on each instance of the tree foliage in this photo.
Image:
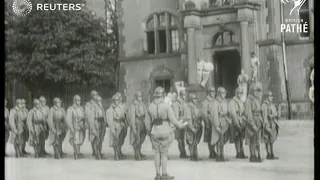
(58, 47)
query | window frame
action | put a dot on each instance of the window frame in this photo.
(308, 10)
(168, 28)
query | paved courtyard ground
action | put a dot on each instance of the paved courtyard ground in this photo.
(294, 148)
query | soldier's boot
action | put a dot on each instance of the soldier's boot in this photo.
(75, 153)
(222, 159)
(56, 152)
(36, 152)
(191, 150)
(182, 150)
(272, 156)
(196, 154)
(268, 151)
(253, 157)
(242, 155)
(212, 151)
(96, 150)
(116, 155)
(237, 145)
(43, 149)
(93, 152)
(17, 151)
(142, 156)
(136, 154)
(24, 149)
(158, 177)
(122, 156)
(167, 177)
(61, 151)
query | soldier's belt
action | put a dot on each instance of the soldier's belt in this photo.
(118, 119)
(158, 122)
(140, 117)
(100, 119)
(38, 123)
(224, 115)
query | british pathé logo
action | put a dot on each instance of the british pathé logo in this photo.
(22, 7)
(297, 5)
(294, 25)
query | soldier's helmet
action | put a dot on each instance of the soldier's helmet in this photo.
(43, 99)
(138, 94)
(158, 92)
(183, 92)
(23, 101)
(116, 97)
(239, 90)
(268, 93)
(221, 90)
(76, 98)
(99, 98)
(56, 100)
(36, 102)
(93, 93)
(119, 94)
(211, 89)
(192, 96)
(256, 87)
(18, 102)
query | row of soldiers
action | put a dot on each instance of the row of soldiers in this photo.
(224, 121)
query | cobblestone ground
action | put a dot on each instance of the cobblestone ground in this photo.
(294, 148)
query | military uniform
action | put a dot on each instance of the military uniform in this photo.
(58, 129)
(178, 107)
(194, 129)
(271, 127)
(75, 119)
(220, 126)
(36, 125)
(236, 112)
(16, 121)
(45, 110)
(137, 116)
(116, 121)
(206, 107)
(26, 132)
(254, 123)
(97, 126)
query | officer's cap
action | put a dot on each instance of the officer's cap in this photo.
(158, 92)
(221, 90)
(77, 98)
(36, 101)
(192, 96)
(56, 100)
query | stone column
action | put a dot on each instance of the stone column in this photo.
(192, 60)
(245, 54)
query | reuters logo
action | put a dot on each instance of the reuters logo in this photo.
(22, 7)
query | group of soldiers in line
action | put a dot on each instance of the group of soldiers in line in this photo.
(224, 121)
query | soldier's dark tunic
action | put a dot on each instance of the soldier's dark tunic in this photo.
(75, 119)
(254, 120)
(7, 125)
(56, 121)
(17, 120)
(206, 108)
(236, 112)
(137, 117)
(270, 119)
(36, 126)
(193, 116)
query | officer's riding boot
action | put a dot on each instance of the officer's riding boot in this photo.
(116, 155)
(272, 156)
(268, 151)
(242, 155)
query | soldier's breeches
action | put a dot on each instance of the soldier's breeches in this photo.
(180, 135)
(123, 135)
(78, 137)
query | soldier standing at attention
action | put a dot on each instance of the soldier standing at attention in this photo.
(6, 123)
(45, 111)
(57, 126)
(254, 121)
(236, 112)
(271, 127)
(220, 123)
(89, 109)
(207, 118)
(180, 133)
(161, 132)
(194, 129)
(26, 132)
(96, 120)
(17, 127)
(124, 133)
(116, 122)
(75, 120)
(137, 116)
(103, 123)
(36, 126)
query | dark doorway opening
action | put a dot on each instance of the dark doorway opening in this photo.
(164, 83)
(227, 69)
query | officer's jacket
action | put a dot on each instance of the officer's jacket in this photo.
(236, 111)
(115, 114)
(160, 111)
(137, 112)
(269, 111)
(253, 111)
(75, 117)
(56, 119)
(193, 116)
(206, 107)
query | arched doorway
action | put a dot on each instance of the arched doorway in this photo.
(163, 77)
(227, 61)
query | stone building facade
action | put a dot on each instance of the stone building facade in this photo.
(160, 41)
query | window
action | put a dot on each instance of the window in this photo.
(165, 84)
(305, 18)
(162, 34)
(219, 2)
